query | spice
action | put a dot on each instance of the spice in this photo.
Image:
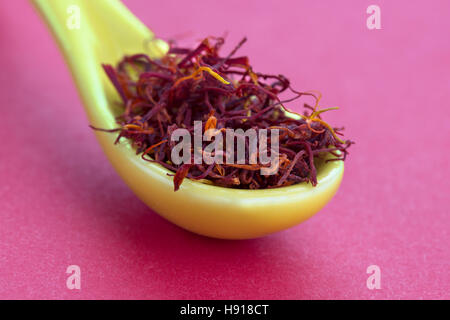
(184, 86)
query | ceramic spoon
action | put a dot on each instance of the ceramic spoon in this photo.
(103, 31)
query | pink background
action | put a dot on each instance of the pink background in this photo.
(61, 203)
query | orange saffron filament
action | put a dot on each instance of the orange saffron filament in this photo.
(211, 123)
(154, 146)
(197, 75)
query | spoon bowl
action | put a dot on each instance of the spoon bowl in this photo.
(106, 31)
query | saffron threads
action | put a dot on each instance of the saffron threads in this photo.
(161, 96)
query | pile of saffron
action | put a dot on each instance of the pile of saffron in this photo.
(187, 85)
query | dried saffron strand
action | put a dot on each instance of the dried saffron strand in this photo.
(198, 72)
(154, 146)
(180, 175)
(160, 96)
(211, 123)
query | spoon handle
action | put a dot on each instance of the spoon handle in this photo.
(92, 32)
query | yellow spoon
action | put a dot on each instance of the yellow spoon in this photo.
(92, 32)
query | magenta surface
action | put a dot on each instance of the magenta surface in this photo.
(62, 204)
